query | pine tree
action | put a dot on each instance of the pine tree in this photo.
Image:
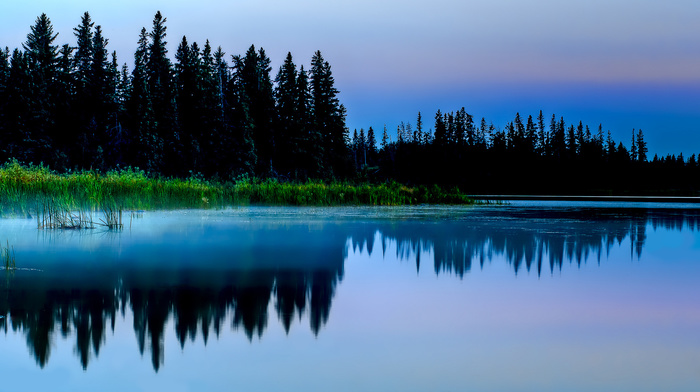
(542, 142)
(18, 110)
(166, 143)
(42, 56)
(419, 129)
(610, 145)
(311, 147)
(328, 115)
(385, 140)
(65, 90)
(288, 143)
(4, 93)
(189, 102)
(146, 145)
(371, 147)
(441, 138)
(84, 53)
(641, 147)
(530, 135)
(254, 75)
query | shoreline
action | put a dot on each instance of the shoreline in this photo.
(632, 199)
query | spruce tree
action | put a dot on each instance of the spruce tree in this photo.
(289, 138)
(189, 103)
(42, 56)
(641, 147)
(166, 144)
(311, 163)
(146, 149)
(254, 75)
(371, 147)
(4, 81)
(84, 52)
(542, 142)
(328, 116)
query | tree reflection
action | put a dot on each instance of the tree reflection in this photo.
(299, 274)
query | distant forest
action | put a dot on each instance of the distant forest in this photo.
(223, 117)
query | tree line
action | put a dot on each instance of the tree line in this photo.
(74, 108)
(538, 155)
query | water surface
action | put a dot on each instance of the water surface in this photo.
(532, 296)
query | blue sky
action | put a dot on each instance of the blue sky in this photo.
(623, 63)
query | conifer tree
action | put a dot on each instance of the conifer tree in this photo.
(84, 53)
(419, 129)
(4, 82)
(166, 143)
(641, 147)
(147, 146)
(385, 140)
(189, 105)
(254, 75)
(42, 58)
(288, 141)
(328, 115)
(311, 146)
(441, 139)
(542, 142)
(371, 147)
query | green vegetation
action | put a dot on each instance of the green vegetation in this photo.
(36, 188)
(7, 254)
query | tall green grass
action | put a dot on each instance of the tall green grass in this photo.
(26, 187)
(7, 254)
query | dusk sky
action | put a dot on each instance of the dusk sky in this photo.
(623, 63)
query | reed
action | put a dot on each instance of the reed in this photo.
(23, 187)
(7, 253)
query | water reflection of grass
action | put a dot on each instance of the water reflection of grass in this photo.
(22, 186)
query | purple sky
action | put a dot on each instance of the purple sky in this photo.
(623, 63)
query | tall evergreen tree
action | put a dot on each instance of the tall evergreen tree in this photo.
(4, 82)
(289, 138)
(159, 79)
(84, 51)
(542, 142)
(189, 103)
(146, 149)
(328, 116)
(254, 70)
(641, 147)
(42, 56)
(371, 147)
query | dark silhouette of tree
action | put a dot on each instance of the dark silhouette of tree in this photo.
(641, 147)
(42, 60)
(159, 77)
(289, 141)
(328, 118)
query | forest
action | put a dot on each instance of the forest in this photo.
(72, 107)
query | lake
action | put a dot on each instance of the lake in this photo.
(531, 296)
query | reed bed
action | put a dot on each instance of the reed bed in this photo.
(24, 187)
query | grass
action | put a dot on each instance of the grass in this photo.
(8, 257)
(26, 187)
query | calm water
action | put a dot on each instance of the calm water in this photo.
(527, 297)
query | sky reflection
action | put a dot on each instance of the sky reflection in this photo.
(355, 281)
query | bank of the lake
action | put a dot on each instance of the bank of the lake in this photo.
(129, 188)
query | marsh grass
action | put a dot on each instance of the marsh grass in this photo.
(7, 253)
(23, 187)
(112, 217)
